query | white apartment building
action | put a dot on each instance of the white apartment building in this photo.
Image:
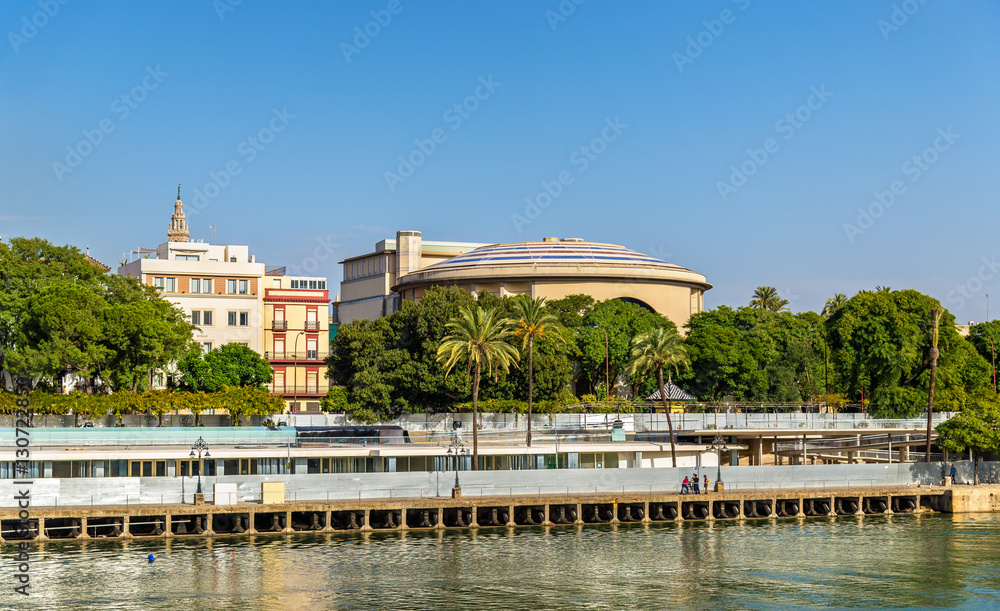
(218, 287)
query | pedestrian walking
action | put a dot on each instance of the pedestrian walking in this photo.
(706, 484)
(694, 482)
(685, 485)
(954, 473)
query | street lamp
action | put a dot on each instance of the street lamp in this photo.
(456, 449)
(199, 450)
(719, 445)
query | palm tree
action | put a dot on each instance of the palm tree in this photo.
(477, 336)
(661, 347)
(767, 298)
(534, 321)
(933, 353)
(833, 304)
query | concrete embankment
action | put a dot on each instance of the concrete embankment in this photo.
(176, 520)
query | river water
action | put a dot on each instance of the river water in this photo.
(933, 561)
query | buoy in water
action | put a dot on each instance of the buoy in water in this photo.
(150, 558)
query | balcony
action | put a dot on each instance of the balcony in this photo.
(306, 355)
(279, 325)
(312, 325)
(297, 390)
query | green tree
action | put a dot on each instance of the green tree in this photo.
(533, 322)
(477, 337)
(622, 321)
(59, 332)
(833, 304)
(880, 346)
(985, 338)
(652, 351)
(767, 298)
(975, 428)
(228, 366)
(142, 331)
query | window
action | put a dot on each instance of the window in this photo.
(231, 287)
(232, 259)
(196, 317)
(231, 319)
(295, 284)
(195, 285)
(322, 284)
(171, 285)
(188, 258)
(244, 319)
(206, 346)
(158, 283)
(244, 287)
(206, 318)
(206, 285)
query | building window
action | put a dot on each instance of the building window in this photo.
(201, 318)
(158, 283)
(206, 346)
(295, 284)
(244, 319)
(188, 258)
(322, 284)
(231, 287)
(232, 259)
(195, 285)
(231, 319)
(171, 285)
(244, 287)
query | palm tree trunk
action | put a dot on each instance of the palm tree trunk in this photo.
(475, 420)
(531, 381)
(930, 402)
(670, 424)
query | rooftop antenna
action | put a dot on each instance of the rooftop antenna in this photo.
(178, 190)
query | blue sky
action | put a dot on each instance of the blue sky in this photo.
(746, 135)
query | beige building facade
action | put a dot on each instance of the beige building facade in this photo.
(297, 338)
(366, 290)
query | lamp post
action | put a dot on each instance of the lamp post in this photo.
(456, 449)
(199, 450)
(295, 371)
(719, 445)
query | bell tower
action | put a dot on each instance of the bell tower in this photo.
(178, 231)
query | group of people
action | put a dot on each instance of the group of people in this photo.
(690, 485)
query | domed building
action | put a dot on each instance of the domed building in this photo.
(555, 268)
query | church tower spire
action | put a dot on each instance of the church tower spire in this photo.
(178, 231)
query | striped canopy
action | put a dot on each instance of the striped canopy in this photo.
(674, 393)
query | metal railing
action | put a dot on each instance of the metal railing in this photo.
(307, 355)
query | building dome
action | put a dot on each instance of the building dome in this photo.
(555, 268)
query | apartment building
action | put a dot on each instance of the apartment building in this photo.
(297, 337)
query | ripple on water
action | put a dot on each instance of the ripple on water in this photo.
(895, 561)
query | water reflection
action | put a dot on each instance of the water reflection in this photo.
(891, 561)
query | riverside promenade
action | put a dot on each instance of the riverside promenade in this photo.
(184, 520)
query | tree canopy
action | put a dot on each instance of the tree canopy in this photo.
(230, 365)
